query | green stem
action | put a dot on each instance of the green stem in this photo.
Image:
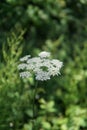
(34, 110)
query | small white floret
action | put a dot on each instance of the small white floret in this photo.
(25, 58)
(42, 76)
(22, 66)
(57, 63)
(44, 54)
(25, 74)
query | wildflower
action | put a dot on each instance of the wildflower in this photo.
(42, 67)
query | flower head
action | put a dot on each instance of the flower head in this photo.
(42, 67)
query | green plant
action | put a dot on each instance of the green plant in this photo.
(9, 90)
(43, 68)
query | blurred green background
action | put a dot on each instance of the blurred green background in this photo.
(29, 27)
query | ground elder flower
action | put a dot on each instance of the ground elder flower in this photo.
(42, 66)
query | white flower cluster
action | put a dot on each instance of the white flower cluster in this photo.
(42, 66)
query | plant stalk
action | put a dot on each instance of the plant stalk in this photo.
(33, 107)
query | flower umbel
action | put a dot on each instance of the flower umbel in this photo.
(42, 66)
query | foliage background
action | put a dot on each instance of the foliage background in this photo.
(31, 26)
